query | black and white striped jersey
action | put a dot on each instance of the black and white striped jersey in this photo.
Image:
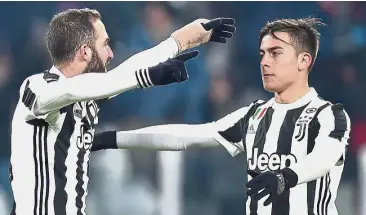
(275, 136)
(50, 153)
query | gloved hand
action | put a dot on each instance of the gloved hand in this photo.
(273, 183)
(170, 71)
(203, 30)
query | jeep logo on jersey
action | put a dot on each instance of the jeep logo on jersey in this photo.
(85, 139)
(272, 162)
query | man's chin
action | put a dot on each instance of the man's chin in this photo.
(269, 88)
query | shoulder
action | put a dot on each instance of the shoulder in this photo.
(334, 113)
(38, 81)
(329, 110)
(334, 119)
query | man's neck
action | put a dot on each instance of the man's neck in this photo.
(292, 94)
(69, 70)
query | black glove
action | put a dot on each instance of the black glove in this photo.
(172, 70)
(223, 28)
(273, 183)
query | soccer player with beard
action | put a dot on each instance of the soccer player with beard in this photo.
(54, 121)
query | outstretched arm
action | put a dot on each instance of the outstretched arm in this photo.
(42, 97)
(173, 137)
(176, 137)
(134, 72)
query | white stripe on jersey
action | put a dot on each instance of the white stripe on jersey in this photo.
(71, 165)
(51, 139)
(86, 180)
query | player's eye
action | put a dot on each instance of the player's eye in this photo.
(275, 54)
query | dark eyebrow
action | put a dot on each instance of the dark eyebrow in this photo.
(270, 49)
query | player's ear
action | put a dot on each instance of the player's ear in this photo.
(85, 52)
(304, 61)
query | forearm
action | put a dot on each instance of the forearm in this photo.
(320, 161)
(153, 56)
(164, 138)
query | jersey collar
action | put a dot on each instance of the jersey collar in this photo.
(56, 71)
(298, 103)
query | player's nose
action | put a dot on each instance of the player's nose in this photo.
(264, 62)
(110, 53)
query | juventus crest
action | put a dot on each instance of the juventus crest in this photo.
(302, 123)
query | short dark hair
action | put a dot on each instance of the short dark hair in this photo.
(303, 33)
(68, 30)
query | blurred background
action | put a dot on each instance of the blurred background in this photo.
(222, 79)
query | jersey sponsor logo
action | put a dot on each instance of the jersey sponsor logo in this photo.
(272, 162)
(85, 139)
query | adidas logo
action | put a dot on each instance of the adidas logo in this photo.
(251, 129)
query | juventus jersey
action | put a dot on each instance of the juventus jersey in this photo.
(50, 153)
(275, 136)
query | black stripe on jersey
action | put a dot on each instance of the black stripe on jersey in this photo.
(320, 196)
(35, 170)
(340, 122)
(37, 122)
(324, 195)
(50, 77)
(80, 182)
(40, 157)
(236, 132)
(282, 205)
(147, 77)
(311, 187)
(259, 140)
(29, 97)
(323, 205)
(46, 168)
(40, 161)
(314, 128)
(260, 135)
(61, 147)
(329, 196)
(138, 80)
